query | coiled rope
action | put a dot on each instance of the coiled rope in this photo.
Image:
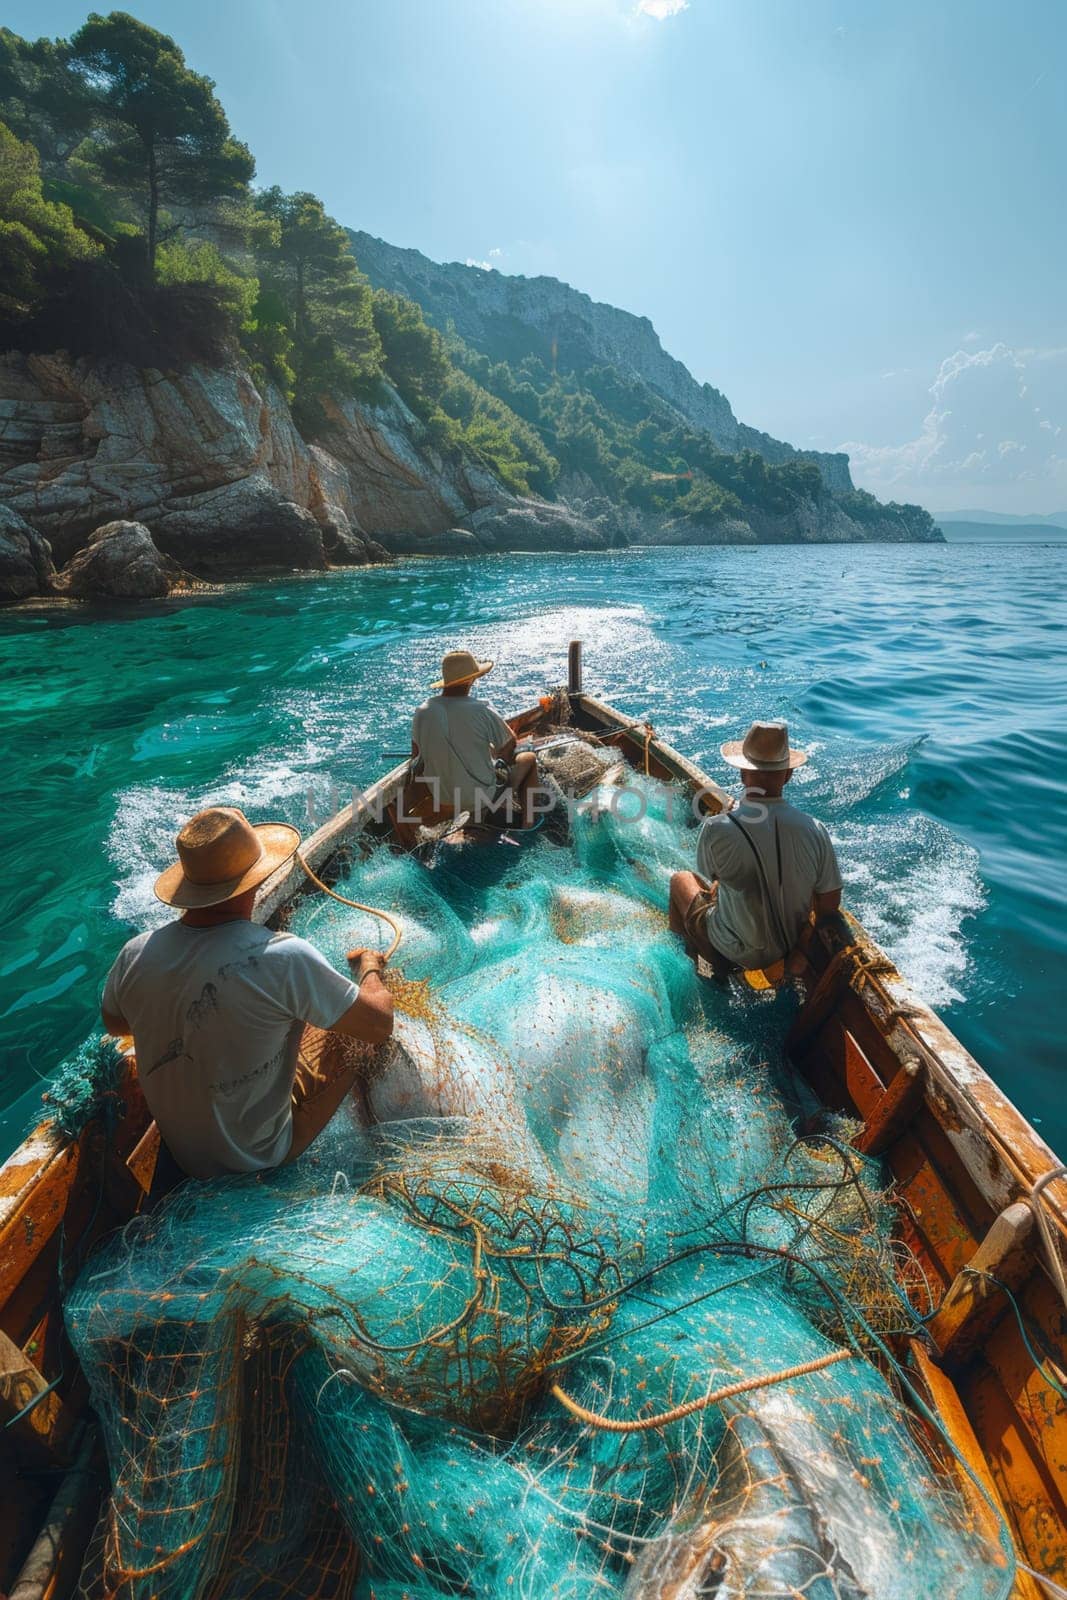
(745, 1386)
(357, 905)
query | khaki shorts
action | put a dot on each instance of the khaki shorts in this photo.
(695, 922)
(328, 1067)
(696, 913)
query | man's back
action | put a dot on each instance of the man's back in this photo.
(217, 1014)
(456, 736)
(769, 859)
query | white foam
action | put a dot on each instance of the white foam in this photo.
(913, 885)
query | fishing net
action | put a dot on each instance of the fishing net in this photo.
(466, 1345)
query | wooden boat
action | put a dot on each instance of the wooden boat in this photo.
(982, 1204)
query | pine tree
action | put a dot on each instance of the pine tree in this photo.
(160, 134)
(308, 264)
(39, 240)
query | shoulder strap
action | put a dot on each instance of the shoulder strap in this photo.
(768, 898)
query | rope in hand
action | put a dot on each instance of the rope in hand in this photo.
(357, 905)
(745, 1386)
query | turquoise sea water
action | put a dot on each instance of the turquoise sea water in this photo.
(929, 683)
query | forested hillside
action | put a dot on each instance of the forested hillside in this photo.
(616, 411)
(130, 228)
(210, 358)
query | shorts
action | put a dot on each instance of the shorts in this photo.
(695, 922)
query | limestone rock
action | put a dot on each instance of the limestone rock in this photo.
(393, 483)
(213, 464)
(452, 542)
(120, 562)
(25, 559)
(537, 525)
(240, 527)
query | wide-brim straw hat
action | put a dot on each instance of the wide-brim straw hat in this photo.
(459, 666)
(765, 748)
(221, 854)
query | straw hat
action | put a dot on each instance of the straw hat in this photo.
(765, 748)
(459, 666)
(221, 854)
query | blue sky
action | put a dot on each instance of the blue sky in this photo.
(846, 214)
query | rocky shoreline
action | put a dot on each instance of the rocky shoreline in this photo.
(128, 483)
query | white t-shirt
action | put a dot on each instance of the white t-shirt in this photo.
(798, 861)
(216, 1015)
(456, 737)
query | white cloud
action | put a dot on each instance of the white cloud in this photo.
(494, 252)
(660, 9)
(484, 266)
(979, 397)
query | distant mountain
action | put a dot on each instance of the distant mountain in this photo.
(1004, 519)
(632, 438)
(510, 319)
(957, 530)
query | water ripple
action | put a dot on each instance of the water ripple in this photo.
(929, 684)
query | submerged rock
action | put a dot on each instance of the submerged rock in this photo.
(120, 562)
(25, 559)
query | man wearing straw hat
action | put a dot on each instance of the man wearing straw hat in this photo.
(458, 741)
(246, 1040)
(762, 867)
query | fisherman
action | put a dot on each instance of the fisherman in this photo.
(246, 1040)
(762, 867)
(458, 742)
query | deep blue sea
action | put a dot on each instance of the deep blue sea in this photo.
(929, 684)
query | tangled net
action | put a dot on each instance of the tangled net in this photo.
(576, 1172)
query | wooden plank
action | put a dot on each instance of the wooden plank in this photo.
(975, 1297)
(819, 1005)
(1018, 1463)
(859, 1088)
(896, 1109)
(53, 1565)
(1000, 1151)
(35, 1185)
(30, 1408)
(142, 1158)
(949, 1408)
(947, 1231)
(1041, 1412)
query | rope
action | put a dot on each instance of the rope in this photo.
(357, 905)
(633, 727)
(1039, 1206)
(745, 1386)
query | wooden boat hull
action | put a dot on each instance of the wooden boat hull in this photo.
(965, 1163)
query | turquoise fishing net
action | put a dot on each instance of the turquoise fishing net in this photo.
(575, 1166)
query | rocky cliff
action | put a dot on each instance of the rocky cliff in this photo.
(205, 475)
(509, 317)
(211, 463)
